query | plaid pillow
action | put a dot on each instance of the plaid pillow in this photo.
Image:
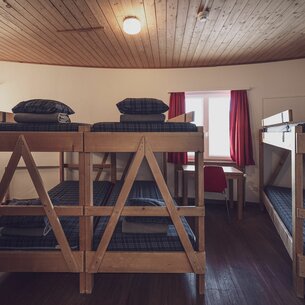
(142, 106)
(150, 202)
(42, 106)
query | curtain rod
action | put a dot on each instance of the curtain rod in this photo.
(247, 89)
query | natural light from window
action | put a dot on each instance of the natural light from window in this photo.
(212, 110)
(219, 144)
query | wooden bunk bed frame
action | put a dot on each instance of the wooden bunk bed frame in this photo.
(143, 145)
(292, 142)
(22, 144)
(85, 261)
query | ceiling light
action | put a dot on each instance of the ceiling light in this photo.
(131, 25)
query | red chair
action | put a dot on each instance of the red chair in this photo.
(215, 182)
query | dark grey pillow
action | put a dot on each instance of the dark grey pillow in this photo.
(42, 106)
(142, 106)
(149, 202)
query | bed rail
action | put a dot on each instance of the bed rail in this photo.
(294, 141)
(279, 118)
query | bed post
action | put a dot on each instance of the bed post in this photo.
(61, 166)
(164, 165)
(199, 201)
(261, 169)
(85, 223)
(297, 202)
(113, 168)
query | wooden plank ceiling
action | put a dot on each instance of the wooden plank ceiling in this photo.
(235, 32)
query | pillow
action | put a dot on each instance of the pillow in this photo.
(42, 106)
(142, 106)
(149, 202)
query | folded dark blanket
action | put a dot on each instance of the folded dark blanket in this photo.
(31, 232)
(25, 221)
(42, 118)
(144, 228)
(142, 117)
(150, 202)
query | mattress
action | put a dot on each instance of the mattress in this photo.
(281, 199)
(53, 127)
(65, 193)
(140, 242)
(143, 127)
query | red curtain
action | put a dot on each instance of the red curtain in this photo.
(240, 132)
(177, 107)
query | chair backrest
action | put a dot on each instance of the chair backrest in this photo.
(214, 179)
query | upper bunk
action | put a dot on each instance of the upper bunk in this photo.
(280, 130)
(41, 137)
(177, 135)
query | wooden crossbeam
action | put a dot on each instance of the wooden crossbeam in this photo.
(279, 118)
(191, 211)
(117, 211)
(278, 168)
(23, 210)
(99, 173)
(10, 170)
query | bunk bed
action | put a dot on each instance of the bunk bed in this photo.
(286, 205)
(108, 250)
(62, 250)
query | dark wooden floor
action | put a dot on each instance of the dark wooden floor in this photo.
(246, 264)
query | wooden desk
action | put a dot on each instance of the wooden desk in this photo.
(231, 173)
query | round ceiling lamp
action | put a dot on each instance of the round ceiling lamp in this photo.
(131, 25)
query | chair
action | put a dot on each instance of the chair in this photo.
(215, 182)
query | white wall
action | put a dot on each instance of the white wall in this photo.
(93, 93)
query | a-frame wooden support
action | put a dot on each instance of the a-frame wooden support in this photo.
(145, 151)
(103, 165)
(22, 150)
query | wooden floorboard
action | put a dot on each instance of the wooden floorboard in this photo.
(246, 264)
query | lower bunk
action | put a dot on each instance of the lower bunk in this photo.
(28, 243)
(136, 250)
(278, 203)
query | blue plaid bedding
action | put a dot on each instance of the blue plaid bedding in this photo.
(40, 127)
(281, 200)
(140, 242)
(143, 127)
(66, 193)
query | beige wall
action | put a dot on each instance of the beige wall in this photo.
(92, 93)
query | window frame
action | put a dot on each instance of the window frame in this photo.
(205, 96)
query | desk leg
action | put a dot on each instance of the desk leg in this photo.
(240, 195)
(231, 193)
(185, 188)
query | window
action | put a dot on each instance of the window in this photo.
(212, 110)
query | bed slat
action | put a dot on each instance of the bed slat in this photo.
(44, 141)
(129, 141)
(149, 262)
(145, 211)
(38, 261)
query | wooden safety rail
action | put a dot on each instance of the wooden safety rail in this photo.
(144, 145)
(293, 141)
